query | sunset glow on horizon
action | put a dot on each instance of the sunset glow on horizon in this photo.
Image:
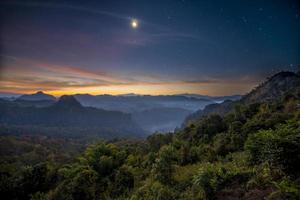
(59, 80)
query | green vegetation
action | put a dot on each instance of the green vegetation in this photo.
(251, 153)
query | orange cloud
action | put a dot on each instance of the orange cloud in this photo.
(26, 76)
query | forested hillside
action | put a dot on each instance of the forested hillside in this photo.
(273, 89)
(250, 153)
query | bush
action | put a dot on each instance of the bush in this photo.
(81, 184)
(211, 178)
(279, 147)
(163, 166)
(286, 189)
(210, 126)
(154, 191)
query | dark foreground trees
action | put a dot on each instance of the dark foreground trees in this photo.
(252, 153)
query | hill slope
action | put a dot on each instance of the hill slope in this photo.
(276, 87)
(273, 89)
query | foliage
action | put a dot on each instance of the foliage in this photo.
(279, 147)
(163, 166)
(252, 151)
(153, 191)
(212, 177)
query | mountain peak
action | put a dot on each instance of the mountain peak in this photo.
(283, 74)
(128, 95)
(68, 101)
(38, 96)
(276, 87)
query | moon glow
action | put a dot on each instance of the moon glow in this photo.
(134, 23)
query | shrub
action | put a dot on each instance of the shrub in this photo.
(279, 147)
(213, 177)
(154, 191)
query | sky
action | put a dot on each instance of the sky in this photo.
(209, 47)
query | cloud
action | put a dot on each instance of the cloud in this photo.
(31, 74)
(26, 76)
(7, 57)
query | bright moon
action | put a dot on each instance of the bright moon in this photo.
(134, 23)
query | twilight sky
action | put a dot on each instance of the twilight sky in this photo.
(208, 47)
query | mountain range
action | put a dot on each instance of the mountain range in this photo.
(67, 118)
(152, 113)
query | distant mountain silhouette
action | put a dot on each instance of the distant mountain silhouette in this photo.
(138, 103)
(9, 96)
(68, 114)
(216, 99)
(152, 113)
(39, 99)
(39, 96)
(129, 95)
(169, 109)
(274, 88)
(68, 101)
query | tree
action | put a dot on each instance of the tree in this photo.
(210, 126)
(104, 158)
(154, 191)
(163, 166)
(124, 181)
(79, 183)
(84, 185)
